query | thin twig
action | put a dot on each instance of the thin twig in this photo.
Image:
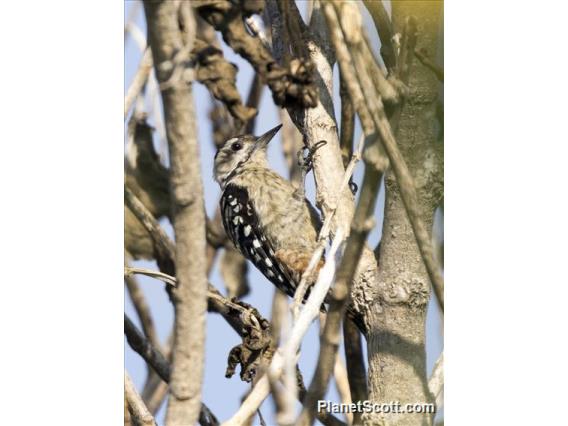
(291, 145)
(151, 88)
(163, 246)
(253, 100)
(436, 382)
(138, 81)
(425, 60)
(284, 396)
(149, 353)
(156, 397)
(132, 13)
(142, 310)
(391, 89)
(384, 28)
(137, 34)
(347, 122)
(278, 322)
(347, 69)
(355, 364)
(216, 302)
(153, 95)
(168, 279)
(153, 385)
(342, 384)
(289, 376)
(138, 409)
(155, 389)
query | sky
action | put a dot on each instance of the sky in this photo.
(223, 395)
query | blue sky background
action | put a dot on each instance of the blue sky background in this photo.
(220, 394)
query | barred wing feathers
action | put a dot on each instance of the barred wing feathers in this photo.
(243, 228)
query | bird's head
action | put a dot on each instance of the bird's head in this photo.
(241, 151)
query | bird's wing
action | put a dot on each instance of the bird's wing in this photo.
(243, 228)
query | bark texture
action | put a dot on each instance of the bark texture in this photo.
(396, 341)
(190, 295)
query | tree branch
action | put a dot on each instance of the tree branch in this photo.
(155, 390)
(290, 86)
(149, 353)
(189, 297)
(253, 100)
(384, 28)
(291, 145)
(290, 348)
(165, 247)
(424, 58)
(325, 230)
(132, 13)
(137, 407)
(342, 384)
(219, 76)
(284, 396)
(347, 122)
(330, 338)
(370, 108)
(129, 271)
(436, 382)
(142, 310)
(158, 362)
(355, 364)
(318, 124)
(138, 81)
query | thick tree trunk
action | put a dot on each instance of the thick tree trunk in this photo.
(396, 341)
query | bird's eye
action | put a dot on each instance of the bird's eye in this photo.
(236, 146)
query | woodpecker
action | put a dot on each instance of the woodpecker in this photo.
(269, 220)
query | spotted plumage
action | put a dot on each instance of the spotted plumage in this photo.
(243, 228)
(265, 216)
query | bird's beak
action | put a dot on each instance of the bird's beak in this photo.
(263, 140)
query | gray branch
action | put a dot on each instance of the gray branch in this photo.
(160, 364)
(137, 408)
(169, 48)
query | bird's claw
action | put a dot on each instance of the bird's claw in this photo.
(353, 186)
(306, 156)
